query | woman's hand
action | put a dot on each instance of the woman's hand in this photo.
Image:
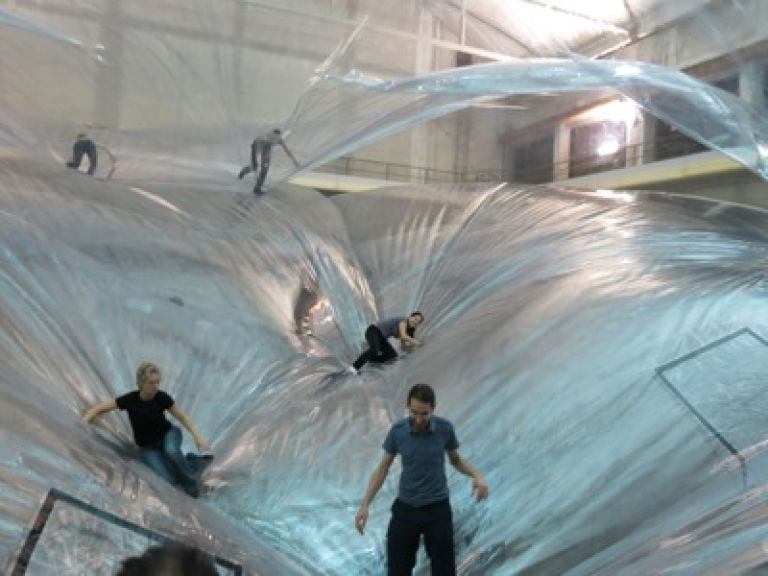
(202, 445)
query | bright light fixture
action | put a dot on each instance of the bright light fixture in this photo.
(616, 111)
(608, 147)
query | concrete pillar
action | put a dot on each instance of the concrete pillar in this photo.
(636, 140)
(420, 145)
(237, 57)
(562, 155)
(109, 76)
(649, 138)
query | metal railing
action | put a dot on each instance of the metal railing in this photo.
(350, 166)
(636, 154)
(632, 155)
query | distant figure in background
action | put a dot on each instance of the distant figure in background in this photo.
(169, 560)
(261, 148)
(377, 334)
(158, 440)
(84, 146)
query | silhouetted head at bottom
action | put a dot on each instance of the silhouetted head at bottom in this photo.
(169, 560)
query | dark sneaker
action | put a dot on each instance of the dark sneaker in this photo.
(193, 491)
(199, 462)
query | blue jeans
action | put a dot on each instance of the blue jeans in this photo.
(166, 460)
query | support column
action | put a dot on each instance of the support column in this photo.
(635, 140)
(649, 138)
(562, 155)
(108, 78)
(238, 26)
(420, 145)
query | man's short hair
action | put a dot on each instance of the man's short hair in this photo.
(169, 560)
(422, 393)
(416, 313)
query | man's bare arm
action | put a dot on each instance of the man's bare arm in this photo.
(290, 154)
(374, 485)
(479, 487)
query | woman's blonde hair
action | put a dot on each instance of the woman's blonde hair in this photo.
(144, 371)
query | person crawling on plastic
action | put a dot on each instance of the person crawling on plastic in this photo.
(158, 440)
(84, 146)
(377, 334)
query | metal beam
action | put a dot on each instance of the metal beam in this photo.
(638, 36)
(453, 46)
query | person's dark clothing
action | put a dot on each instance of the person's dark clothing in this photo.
(160, 442)
(261, 149)
(390, 327)
(422, 453)
(421, 506)
(264, 147)
(147, 417)
(84, 147)
(379, 349)
(408, 523)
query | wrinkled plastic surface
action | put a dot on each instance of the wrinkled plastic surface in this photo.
(715, 118)
(548, 314)
(569, 335)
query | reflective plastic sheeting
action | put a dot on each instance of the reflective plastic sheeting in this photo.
(550, 318)
(601, 354)
(375, 108)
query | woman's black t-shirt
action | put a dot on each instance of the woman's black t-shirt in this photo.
(147, 417)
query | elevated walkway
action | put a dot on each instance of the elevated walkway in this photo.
(341, 183)
(707, 174)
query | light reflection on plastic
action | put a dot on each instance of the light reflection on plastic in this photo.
(615, 111)
(614, 195)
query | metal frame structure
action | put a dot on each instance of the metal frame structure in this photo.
(660, 371)
(55, 495)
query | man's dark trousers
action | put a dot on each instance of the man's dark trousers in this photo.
(408, 523)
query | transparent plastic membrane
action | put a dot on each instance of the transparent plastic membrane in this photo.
(602, 355)
(166, 100)
(549, 316)
(380, 108)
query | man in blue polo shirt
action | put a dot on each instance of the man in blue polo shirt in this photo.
(421, 506)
